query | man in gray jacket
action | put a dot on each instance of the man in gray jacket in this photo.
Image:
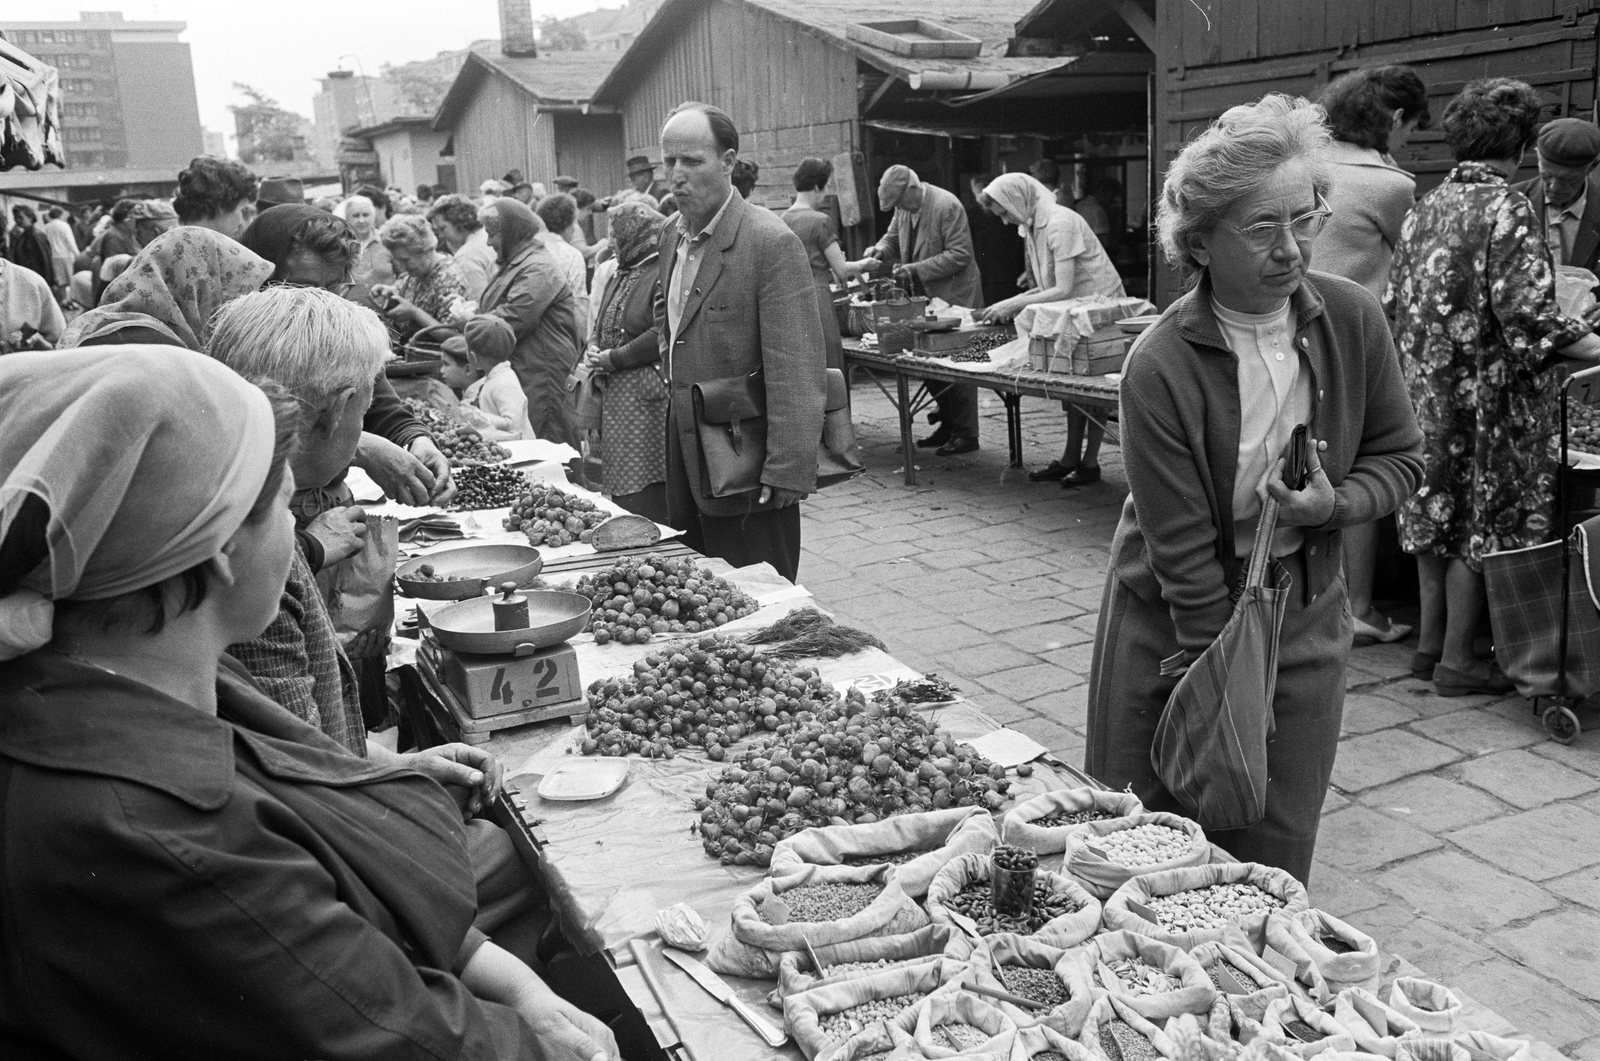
(930, 240)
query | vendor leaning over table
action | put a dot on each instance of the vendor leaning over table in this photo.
(189, 870)
(1065, 260)
(1210, 397)
(929, 244)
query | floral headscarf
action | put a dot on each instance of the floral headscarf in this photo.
(635, 232)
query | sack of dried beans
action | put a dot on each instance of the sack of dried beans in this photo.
(1328, 954)
(958, 1024)
(1432, 1007)
(865, 957)
(1114, 1032)
(1197, 904)
(918, 845)
(1234, 967)
(1064, 915)
(1375, 1026)
(817, 905)
(1301, 1027)
(1105, 855)
(1044, 822)
(1155, 979)
(824, 1019)
(1039, 972)
(1040, 1042)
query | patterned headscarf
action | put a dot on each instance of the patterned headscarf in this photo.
(175, 285)
(635, 232)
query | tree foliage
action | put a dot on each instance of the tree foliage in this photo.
(267, 132)
(420, 86)
(562, 35)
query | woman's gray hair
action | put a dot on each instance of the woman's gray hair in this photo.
(409, 232)
(311, 341)
(1230, 160)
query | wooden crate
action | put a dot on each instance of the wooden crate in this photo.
(959, 339)
(915, 38)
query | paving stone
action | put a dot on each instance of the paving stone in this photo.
(1433, 803)
(1342, 894)
(1357, 839)
(979, 660)
(1582, 887)
(1006, 712)
(1069, 707)
(1440, 952)
(1580, 756)
(1451, 887)
(1536, 1006)
(939, 639)
(1526, 780)
(1047, 637)
(1076, 658)
(1367, 712)
(1378, 758)
(946, 559)
(1013, 550)
(1018, 614)
(1026, 683)
(1476, 732)
(1537, 844)
(1332, 801)
(1588, 1050)
(1564, 946)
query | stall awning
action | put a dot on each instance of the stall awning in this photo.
(954, 131)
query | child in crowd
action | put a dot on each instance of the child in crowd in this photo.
(479, 366)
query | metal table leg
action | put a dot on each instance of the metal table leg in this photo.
(908, 446)
(1013, 403)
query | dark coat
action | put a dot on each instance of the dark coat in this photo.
(1586, 246)
(753, 308)
(181, 885)
(531, 294)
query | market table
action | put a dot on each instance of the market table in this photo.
(1095, 395)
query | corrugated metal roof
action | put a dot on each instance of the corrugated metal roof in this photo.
(555, 78)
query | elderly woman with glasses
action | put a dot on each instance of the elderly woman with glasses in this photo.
(1211, 397)
(429, 280)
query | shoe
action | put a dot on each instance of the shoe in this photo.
(1052, 474)
(1448, 682)
(957, 446)
(934, 441)
(1080, 476)
(1423, 664)
(1366, 634)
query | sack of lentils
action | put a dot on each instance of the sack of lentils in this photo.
(1235, 968)
(1432, 1048)
(1155, 979)
(1304, 1029)
(1040, 1042)
(818, 904)
(1198, 904)
(1432, 1007)
(1105, 855)
(958, 1024)
(1064, 915)
(918, 845)
(824, 1019)
(1114, 1032)
(1039, 972)
(1043, 823)
(1328, 954)
(1376, 1027)
(864, 957)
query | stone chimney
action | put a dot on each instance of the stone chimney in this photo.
(516, 29)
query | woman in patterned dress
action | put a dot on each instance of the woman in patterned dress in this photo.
(1472, 294)
(429, 279)
(633, 411)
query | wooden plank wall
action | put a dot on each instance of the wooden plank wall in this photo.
(491, 136)
(589, 147)
(791, 92)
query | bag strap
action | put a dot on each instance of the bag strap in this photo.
(1261, 554)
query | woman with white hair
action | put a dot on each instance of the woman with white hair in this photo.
(1211, 397)
(372, 265)
(429, 279)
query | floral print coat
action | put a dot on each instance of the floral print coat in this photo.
(1473, 299)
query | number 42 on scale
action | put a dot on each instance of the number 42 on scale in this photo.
(545, 670)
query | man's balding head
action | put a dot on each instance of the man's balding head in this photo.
(699, 145)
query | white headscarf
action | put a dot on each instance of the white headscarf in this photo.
(1026, 198)
(149, 458)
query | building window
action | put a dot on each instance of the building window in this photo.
(80, 134)
(78, 84)
(81, 110)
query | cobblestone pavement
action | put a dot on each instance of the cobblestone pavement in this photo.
(1456, 832)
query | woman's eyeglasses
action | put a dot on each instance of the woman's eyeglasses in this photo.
(1264, 236)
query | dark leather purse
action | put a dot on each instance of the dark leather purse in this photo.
(731, 420)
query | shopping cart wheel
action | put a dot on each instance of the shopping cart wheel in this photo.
(1562, 725)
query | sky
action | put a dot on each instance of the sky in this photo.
(284, 46)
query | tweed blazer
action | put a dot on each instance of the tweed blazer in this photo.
(1586, 245)
(753, 308)
(940, 251)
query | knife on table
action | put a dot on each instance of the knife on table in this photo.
(719, 990)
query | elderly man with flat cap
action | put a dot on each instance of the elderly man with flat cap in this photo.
(1565, 195)
(930, 244)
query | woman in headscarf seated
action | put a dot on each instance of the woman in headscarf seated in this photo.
(429, 280)
(171, 290)
(310, 248)
(190, 870)
(531, 294)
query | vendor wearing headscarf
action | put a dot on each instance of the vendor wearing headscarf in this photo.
(531, 294)
(152, 911)
(170, 292)
(627, 355)
(1065, 260)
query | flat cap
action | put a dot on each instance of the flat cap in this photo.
(1569, 142)
(278, 191)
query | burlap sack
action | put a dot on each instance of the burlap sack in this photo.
(1018, 830)
(1143, 888)
(1292, 1008)
(940, 834)
(752, 947)
(1194, 994)
(1431, 1048)
(1263, 983)
(1113, 1007)
(1196, 1041)
(996, 953)
(1043, 1039)
(960, 1007)
(929, 943)
(1432, 1007)
(1102, 877)
(1318, 969)
(1228, 1022)
(804, 1012)
(882, 1042)
(1481, 1046)
(1375, 1027)
(1065, 931)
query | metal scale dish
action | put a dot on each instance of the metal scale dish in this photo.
(469, 570)
(553, 617)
